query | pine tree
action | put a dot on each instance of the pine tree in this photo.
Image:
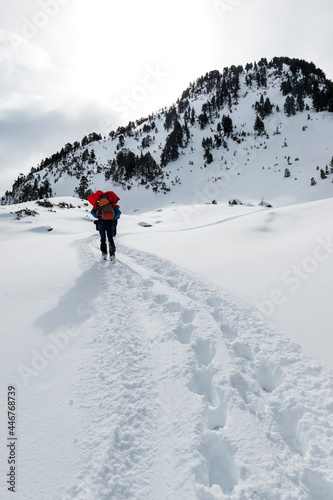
(170, 117)
(259, 126)
(227, 125)
(82, 191)
(289, 106)
(268, 106)
(187, 133)
(192, 116)
(85, 155)
(172, 143)
(92, 157)
(208, 156)
(203, 120)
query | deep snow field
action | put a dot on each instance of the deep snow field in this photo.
(197, 366)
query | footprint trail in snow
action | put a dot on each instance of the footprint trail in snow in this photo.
(189, 395)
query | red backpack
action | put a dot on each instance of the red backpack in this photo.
(104, 208)
(103, 204)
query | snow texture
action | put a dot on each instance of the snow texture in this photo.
(152, 376)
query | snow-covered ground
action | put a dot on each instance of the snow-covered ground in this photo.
(197, 366)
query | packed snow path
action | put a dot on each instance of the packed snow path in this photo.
(187, 394)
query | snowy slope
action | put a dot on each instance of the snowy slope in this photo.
(245, 164)
(159, 376)
(250, 171)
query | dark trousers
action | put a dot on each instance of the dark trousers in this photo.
(107, 229)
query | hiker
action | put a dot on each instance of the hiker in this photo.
(107, 213)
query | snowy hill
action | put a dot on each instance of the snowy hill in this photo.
(263, 131)
(197, 366)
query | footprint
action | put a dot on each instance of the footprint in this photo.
(173, 307)
(161, 299)
(146, 295)
(214, 301)
(184, 333)
(148, 283)
(184, 287)
(269, 378)
(188, 316)
(174, 273)
(228, 331)
(241, 385)
(243, 350)
(218, 314)
(318, 486)
(216, 416)
(204, 351)
(221, 467)
(172, 283)
(201, 382)
(288, 423)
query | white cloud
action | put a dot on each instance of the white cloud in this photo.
(22, 63)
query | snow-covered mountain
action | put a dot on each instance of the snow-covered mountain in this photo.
(263, 131)
(198, 365)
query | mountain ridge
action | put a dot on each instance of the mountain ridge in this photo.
(222, 124)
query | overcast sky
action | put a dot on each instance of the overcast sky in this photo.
(70, 67)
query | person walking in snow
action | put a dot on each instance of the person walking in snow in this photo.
(107, 213)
